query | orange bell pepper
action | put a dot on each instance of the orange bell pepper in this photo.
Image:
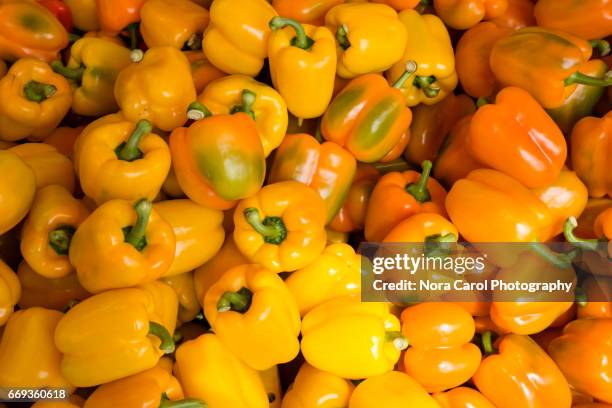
(397, 196)
(175, 23)
(591, 142)
(305, 11)
(423, 227)
(522, 375)
(314, 388)
(49, 166)
(114, 16)
(516, 136)
(602, 228)
(462, 397)
(582, 353)
(63, 139)
(393, 390)
(202, 71)
(588, 19)
(440, 356)
(586, 221)
(464, 14)
(595, 300)
(400, 5)
(10, 292)
(518, 14)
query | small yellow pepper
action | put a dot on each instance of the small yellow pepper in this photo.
(48, 229)
(17, 189)
(391, 390)
(351, 339)
(173, 23)
(184, 287)
(251, 302)
(313, 388)
(158, 88)
(10, 292)
(49, 165)
(33, 100)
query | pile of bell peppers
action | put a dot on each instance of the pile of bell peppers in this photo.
(185, 184)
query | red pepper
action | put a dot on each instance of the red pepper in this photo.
(60, 10)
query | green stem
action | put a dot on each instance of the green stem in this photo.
(568, 231)
(197, 111)
(580, 297)
(342, 37)
(419, 189)
(156, 329)
(439, 245)
(272, 229)
(185, 403)
(132, 30)
(72, 38)
(247, 99)
(394, 165)
(73, 74)
(235, 301)
(37, 91)
(602, 46)
(301, 40)
(425, 83)
(481, 102)
(71, 303)
(136, 235)
(487, 342)
(562, 261)
(59, 239)
(400, 342)
(410, 68)
(129, 150)
(580, 78)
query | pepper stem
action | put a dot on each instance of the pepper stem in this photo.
(197, 111)
(425, 83)
(136, 235)
(37, 91)
(59, 239)
(400, 342)
(342, 37)
(602, 46)
(568, 231)
(247, 99)
(184, 403)
(132, 30)
(481, 102)
(235, 301)
(301, 40)
(167, 344)
(73, 74)
(272, 229)
(394, 165)
(562, 261)
(419, 189)
(580, 78)
(410, 68)
(581, 297)
(129, 150)
(487, 342)
(439, 245)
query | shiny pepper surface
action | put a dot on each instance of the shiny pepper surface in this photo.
(33, 100)
(522, 375)
(351, 339)
(518, 14)
(462, 397)
(158, 88)
(116, 333)
(305, 11)
(175, 23)
(351, 216)
(10, 292)
(423, 227)
(113, 16)
(313, 388)
(282, 227)
(251, 302)
(17, 189)
(464, 14)
(391, 390)
(590, 19)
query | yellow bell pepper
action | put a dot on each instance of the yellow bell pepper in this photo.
(428, 45)
(120, 245)
(302, 65)
(17, 189)
(92, 69)
(337, 272)
(271, 382)
(391, 390)
(240, 93)
(119, 159)
(313, 388)
(84, 14)
(33, 100)
(183, 285)
(251, 302)
(116, 333)
(173, 23)
(50, 293)
(207, 370)
(236, 40)
(10, 292)
(369, 37)
(351, 339)
(198, 231)
(49, 165)
(48, 229)
(158, 88)
(282, 227)
(28, 355)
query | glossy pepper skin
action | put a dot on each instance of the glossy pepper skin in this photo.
(351, 216)
(394, 389)
(370, 38)
(209, 371)
(121, 245)
(184, 286)
(33, 100)
(430, 47)
(522, 375)
(61, 11)
(517, 137)
(92, 69)
(518, 14)
(464, 14)
(591, 142)
(10, 292)
(251, 302)
(419, 227)
(241, 93)
(313, 388)
(325, 167)
(119, 159)
(29, 29)
(236, 40)
(462, 397)
(589, 19)
(544, 62)
(282, 227)
(369, 118)
(116, 333)
(49, 165)
(172, 23)
(198, 233)
(17, 189)
(488, 197)
(303, 71)
(47, 231)
(351, 339)
(206, 154)
(158, 88)
(27, 351)
(440, 356)
(397, 196)
(305, 11)
(114, 16)
(582, 353)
